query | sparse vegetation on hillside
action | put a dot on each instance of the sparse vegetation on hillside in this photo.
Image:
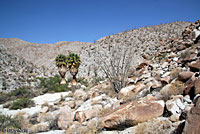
(115, 63)
(21, 103)
(51, 84)
(8, 122)
(21, 92)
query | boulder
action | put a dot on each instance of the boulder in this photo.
(160, 125)
(80, 94)
(41, 127)
(175, 88)
(65, 118)
(192, 125)
(195, 66)
(131, 90)
(175, 105)
(133, 112)
(197, 86)
(185, 76)
(50, 98)
(80, 116)
(50, 116)
(93, 111)
(165, 80)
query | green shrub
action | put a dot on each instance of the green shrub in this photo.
(21, 92)
(25, 92)
(52, 84)
(3, 97)
(83, 81)
(162, 56)
(22, 103)
(96, 80)
(6, 121)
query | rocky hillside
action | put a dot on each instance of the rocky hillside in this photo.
(41, 55)
(143, 41)
(16, 72)
(162, 97)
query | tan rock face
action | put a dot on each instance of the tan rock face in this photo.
(41, 127)
(65, 118)
(192, 125)
(133, 112)
(132, 90)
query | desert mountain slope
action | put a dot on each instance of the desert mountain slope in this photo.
(16, 72)
(41, 55)
(144, 40)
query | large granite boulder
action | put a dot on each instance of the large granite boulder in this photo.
(65, 118)
(132, 113)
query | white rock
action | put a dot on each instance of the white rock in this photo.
(175, 59)
(187, 99)
(164, 65)
(180, 104)
(53, 132)
(50, 98)
(127, 89)
(166, 74)
(29, 111)
(172, 107)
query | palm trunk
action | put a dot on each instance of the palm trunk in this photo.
(74, 81)
(74, 71)
(62, 72)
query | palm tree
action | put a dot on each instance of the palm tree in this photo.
(62, 67)
(73, 61)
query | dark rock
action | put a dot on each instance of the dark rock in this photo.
(195, 67)
(192, 125)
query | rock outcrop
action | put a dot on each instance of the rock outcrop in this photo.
(133, 112)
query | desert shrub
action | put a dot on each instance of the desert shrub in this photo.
(25, 92)
(52, 84)
(7, 122)
(96, 80)
(175, 72)
(115, 63)
(83, 81)
(3, 97)
(21, 103)
(21, 92)
(161, 57)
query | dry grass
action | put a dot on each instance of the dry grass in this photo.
(175, 72)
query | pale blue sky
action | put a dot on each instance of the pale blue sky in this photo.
(50, 21)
